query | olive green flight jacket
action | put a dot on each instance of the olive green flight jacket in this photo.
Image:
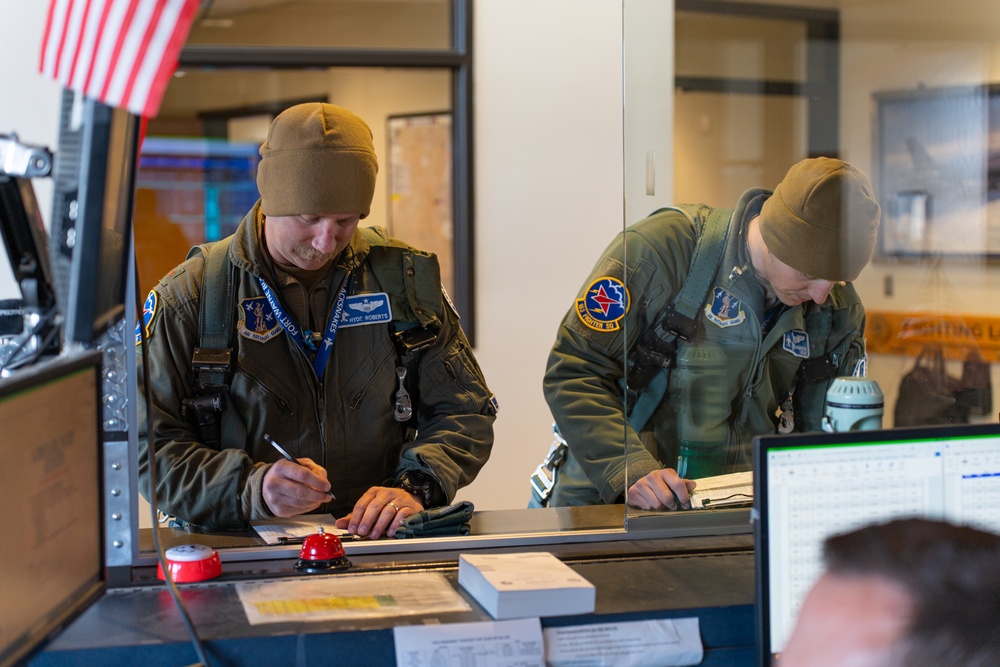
(583, 379)
(343, 421)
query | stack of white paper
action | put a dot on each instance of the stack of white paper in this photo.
(519, 585)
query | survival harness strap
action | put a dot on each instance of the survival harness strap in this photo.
(212, 358)
(654, 351)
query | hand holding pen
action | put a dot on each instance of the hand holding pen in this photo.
(295, 487)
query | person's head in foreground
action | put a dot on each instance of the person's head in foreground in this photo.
(908, 593)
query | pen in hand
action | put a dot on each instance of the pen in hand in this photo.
(281, 450)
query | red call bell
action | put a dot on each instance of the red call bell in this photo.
(191, 562)
(322, 552)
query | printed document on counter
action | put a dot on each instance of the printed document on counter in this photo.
(515, 643)
(655, 643)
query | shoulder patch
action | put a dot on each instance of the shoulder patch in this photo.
(149, 308)
(725, 310)
(257, 320)
(604, 304)
(796, 341)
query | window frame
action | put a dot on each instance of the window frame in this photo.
(457, 59)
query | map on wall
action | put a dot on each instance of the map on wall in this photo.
(420, 186)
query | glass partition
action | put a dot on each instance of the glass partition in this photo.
(719, 97)
(197, 180)
(905, 92)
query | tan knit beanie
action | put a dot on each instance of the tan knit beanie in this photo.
(822, 219)
(318, 158)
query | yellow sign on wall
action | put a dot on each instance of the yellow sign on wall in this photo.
(889, 332)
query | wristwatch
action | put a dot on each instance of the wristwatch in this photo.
(421, 485)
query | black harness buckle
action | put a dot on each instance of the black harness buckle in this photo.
(415, 339)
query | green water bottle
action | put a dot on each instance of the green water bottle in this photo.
(699, 391)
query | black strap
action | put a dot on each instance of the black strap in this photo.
(212, 358)
(655, 348)
(819, 324)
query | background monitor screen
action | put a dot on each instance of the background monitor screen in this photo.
(810, 486)
(94, 174)
(52, 551)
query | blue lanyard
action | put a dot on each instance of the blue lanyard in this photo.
(295, 333)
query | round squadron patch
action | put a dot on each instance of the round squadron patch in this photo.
(148, 312)
(603, 304)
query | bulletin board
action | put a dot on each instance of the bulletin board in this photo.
(420, 185)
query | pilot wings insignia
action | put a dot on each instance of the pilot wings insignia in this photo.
(366, 306)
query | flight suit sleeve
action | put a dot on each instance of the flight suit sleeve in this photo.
(455, 413)
(212, 487)
(583, 382)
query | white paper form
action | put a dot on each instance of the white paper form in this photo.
(301, 526)
(348, 597)
(514, 643)
(657, 643)
(735, 488)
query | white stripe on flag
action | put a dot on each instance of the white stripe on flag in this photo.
(122, 66)
(85, 58)
(155, 52)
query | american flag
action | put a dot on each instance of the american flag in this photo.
(121, 52)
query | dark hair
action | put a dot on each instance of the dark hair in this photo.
(952, 574)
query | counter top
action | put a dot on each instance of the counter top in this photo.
(639, 574)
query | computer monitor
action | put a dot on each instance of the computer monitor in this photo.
(51, 491)
(95, 165)
(810, 486)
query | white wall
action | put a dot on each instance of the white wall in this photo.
(548, 182)
(29, 104)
